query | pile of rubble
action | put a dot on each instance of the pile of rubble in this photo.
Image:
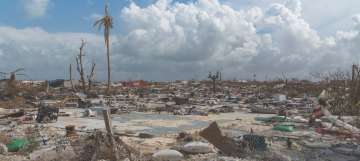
(176, 121)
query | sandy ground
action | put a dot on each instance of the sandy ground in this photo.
(238, 121)
(246, 120)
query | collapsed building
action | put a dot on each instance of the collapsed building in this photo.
(181, 120)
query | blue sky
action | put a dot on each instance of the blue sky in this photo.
(64, 15)
(61, 16)
(155, 40)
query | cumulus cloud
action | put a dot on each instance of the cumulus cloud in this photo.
(207, 35)
(35, 8)
(183, 41)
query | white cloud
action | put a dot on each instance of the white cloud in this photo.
(35, 8)
(326, 16)
(211, 35)
(44, 55)
(182, 41)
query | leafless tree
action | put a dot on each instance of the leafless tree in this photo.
(12, 89)
(343, 89)
(80, 67)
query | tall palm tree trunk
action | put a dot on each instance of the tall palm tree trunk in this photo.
(109, 68)
(107, 23)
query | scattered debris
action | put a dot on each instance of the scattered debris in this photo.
(47, 114)
(16, 144)
(284, 128)
(145, 135)
(20, 113)
(70, 131)
(197, 147)
(255, 142)
(224, 144)
(3, 149)
(190, 120)
(168, 155)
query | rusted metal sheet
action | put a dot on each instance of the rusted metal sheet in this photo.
(225, 144)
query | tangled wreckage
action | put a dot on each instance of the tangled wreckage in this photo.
(163, 125)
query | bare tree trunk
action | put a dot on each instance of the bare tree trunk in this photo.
(70, 75)
(89, 84)
(80, 67)
(91, 76)
(11, 86)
